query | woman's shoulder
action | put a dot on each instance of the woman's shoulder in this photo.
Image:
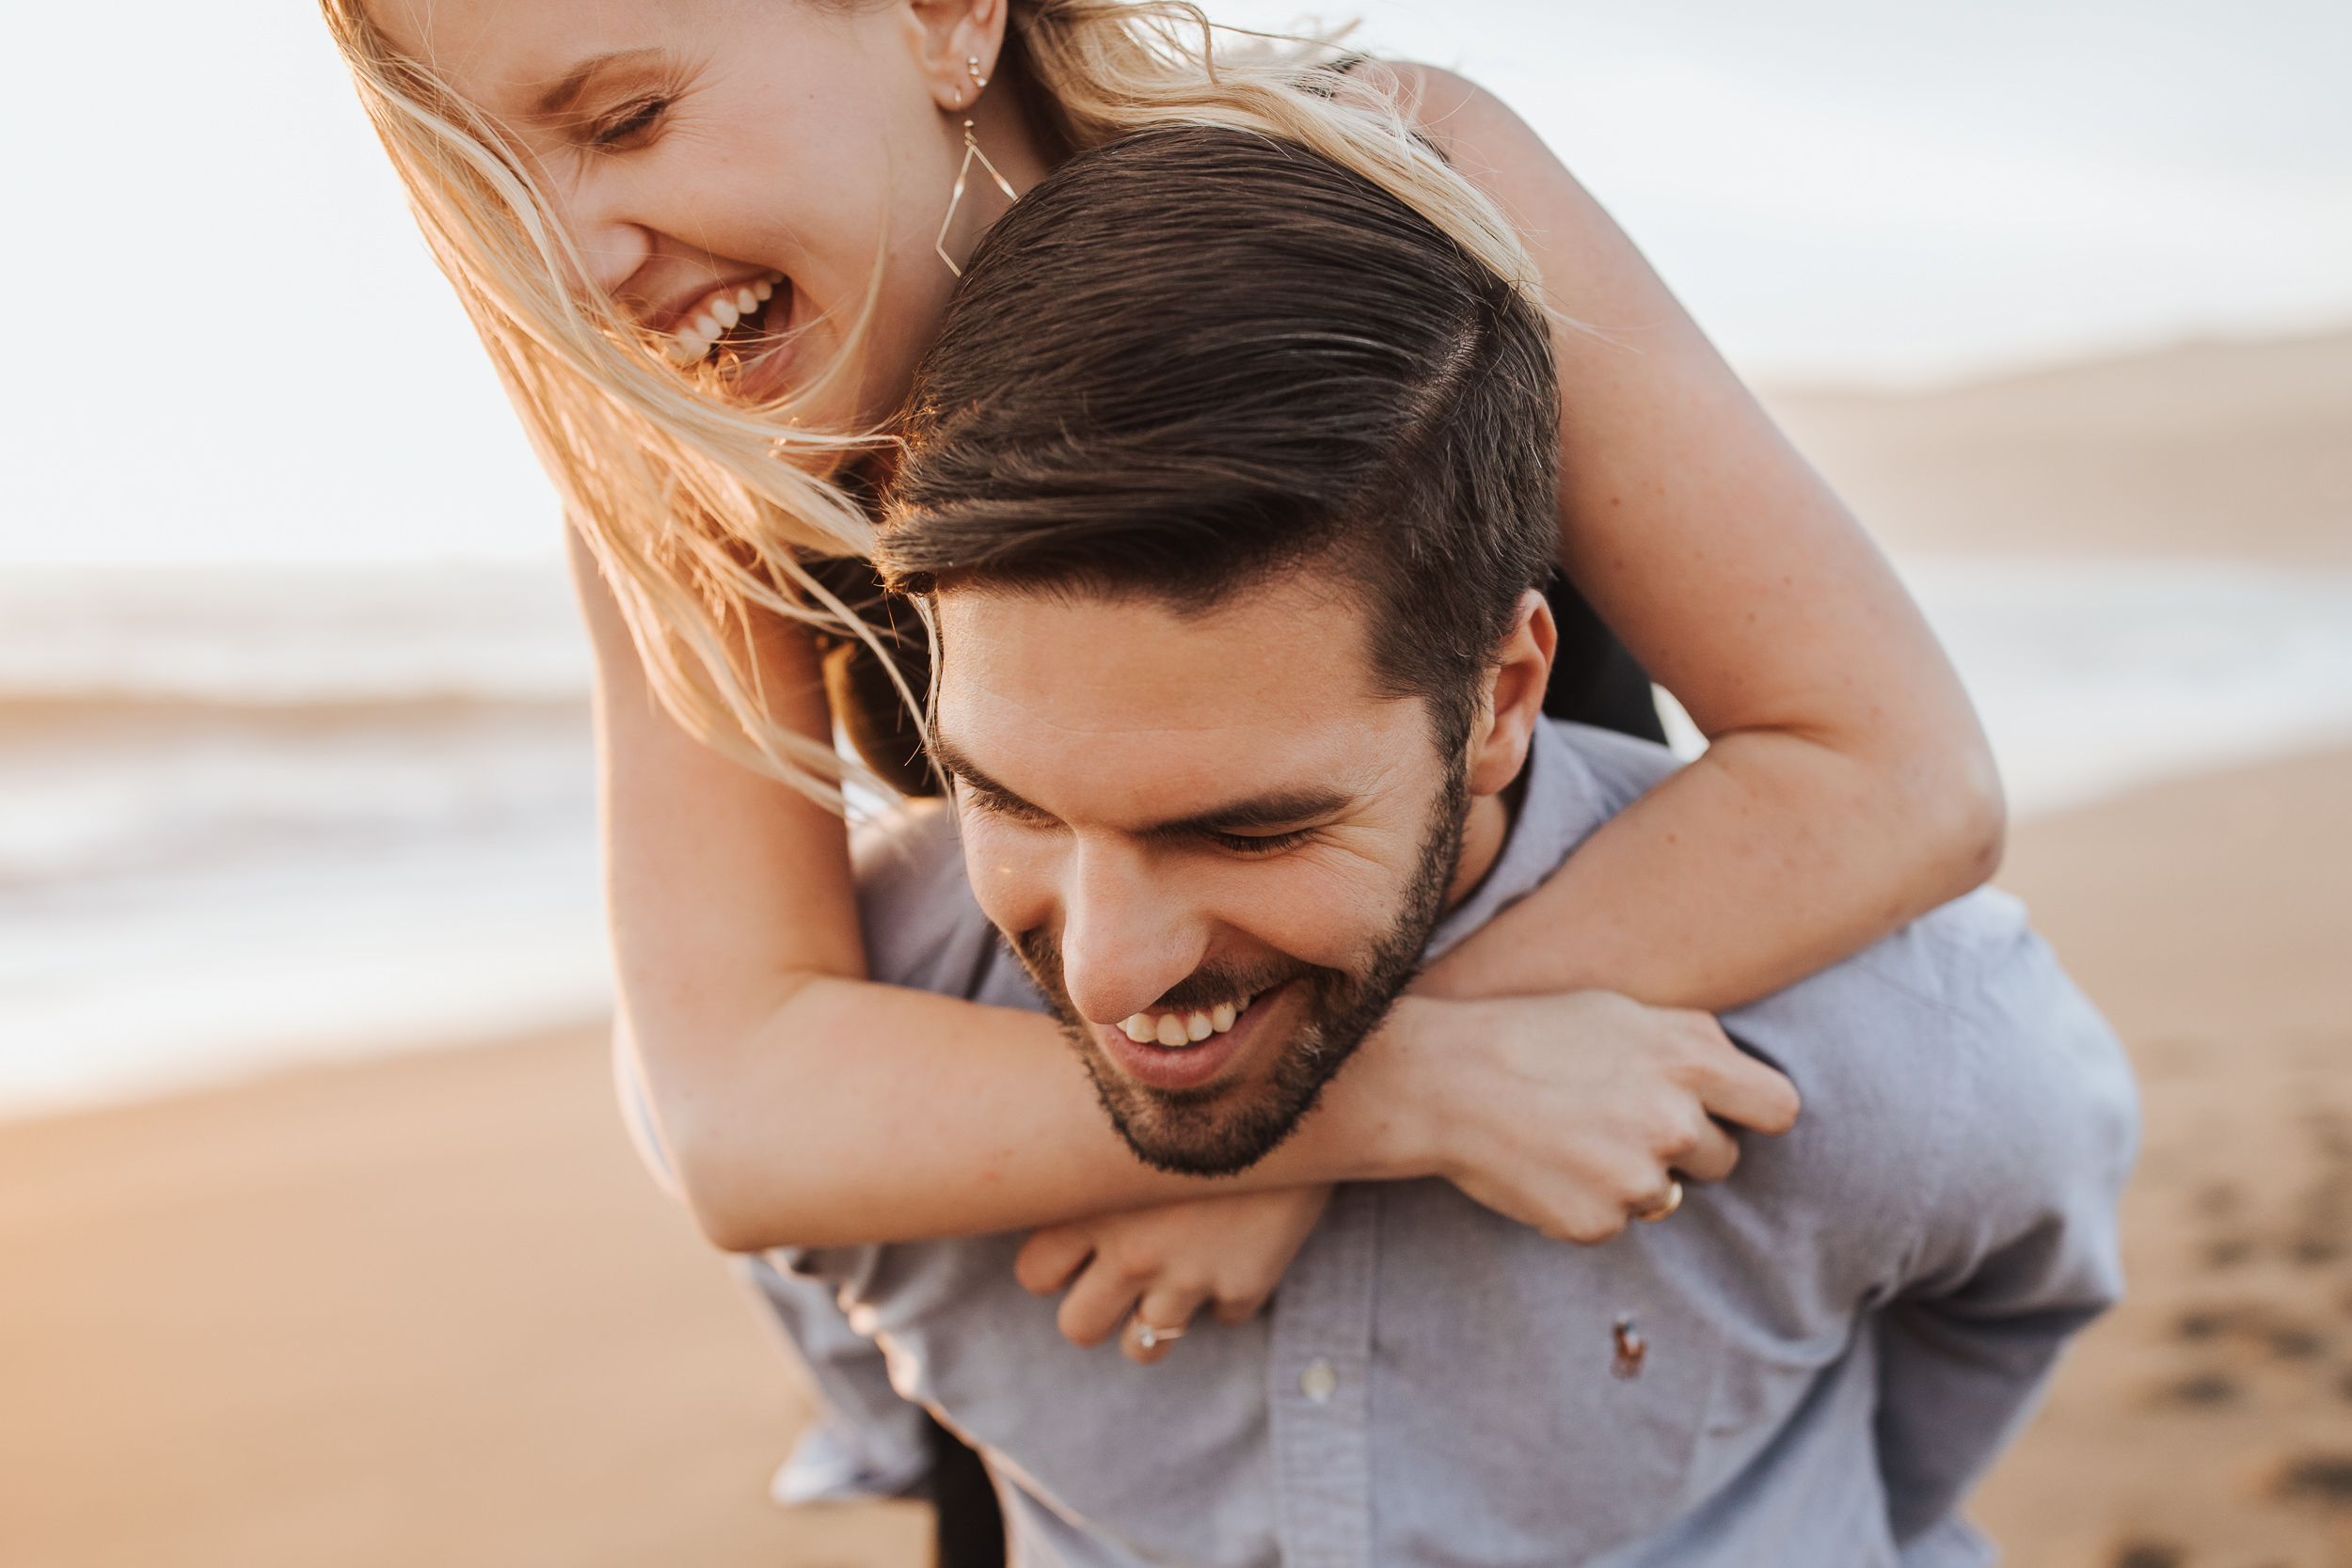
(1453, 111)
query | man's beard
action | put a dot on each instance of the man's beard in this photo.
(1213, 1131)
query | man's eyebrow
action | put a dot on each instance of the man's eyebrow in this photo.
(952, 762)
(1279, 809)
(558, 99)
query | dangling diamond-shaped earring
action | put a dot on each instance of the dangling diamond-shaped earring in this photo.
(963, 172)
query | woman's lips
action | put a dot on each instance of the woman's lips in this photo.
(708, 322)
(1194, 1065)
(759, 368)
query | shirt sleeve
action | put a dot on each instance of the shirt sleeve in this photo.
(2018, 1249)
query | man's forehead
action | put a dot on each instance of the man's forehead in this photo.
(1282, 652)
(1135, 706)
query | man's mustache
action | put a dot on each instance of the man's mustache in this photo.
(1199, 991)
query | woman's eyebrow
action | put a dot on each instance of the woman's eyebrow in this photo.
(558, 99)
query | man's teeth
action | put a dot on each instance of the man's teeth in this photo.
(1175, 1029)
(716, 314)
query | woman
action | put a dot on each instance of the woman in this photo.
(706, 240)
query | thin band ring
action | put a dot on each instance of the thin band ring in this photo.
(1153, 1338)
(1666, 1205)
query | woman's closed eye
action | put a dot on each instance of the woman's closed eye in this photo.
(629, 125)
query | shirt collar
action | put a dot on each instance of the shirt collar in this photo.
(1560, 808)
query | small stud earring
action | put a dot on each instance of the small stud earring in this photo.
(972, 64)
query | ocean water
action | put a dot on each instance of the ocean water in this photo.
(2095, 676)
(251, 817)
(248, 818)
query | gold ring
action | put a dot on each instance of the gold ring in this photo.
(1664, 1205)
(1151, 1338)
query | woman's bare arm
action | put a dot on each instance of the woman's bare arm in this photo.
(801, 1105)
(1848, 787)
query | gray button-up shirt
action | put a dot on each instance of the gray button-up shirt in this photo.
(1833, 1343)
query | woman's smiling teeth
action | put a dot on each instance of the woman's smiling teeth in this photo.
(717, 313)
(1180, 1029)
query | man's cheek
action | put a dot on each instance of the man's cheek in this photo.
(1010, 870)
(1331, 916)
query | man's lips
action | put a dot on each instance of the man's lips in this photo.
(1191, 1066)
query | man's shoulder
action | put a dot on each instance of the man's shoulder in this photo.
(1965, 998)
(1622, 768)
(1951, 1071)
(1952, 1074)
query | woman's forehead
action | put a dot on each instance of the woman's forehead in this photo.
(508, 55)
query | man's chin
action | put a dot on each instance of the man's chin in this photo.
(1218, 1130)
(1221, 1106)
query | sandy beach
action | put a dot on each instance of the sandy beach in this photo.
(419, 1311)
(2212, 450)
(430, 1310)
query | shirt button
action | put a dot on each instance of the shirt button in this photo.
(1319, 1382)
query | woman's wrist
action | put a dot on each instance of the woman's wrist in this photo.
(1389, 1115)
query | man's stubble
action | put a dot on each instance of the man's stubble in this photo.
(1196, 1132)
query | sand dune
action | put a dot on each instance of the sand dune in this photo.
(2210, 449)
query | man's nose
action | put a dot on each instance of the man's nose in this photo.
(1129, 935)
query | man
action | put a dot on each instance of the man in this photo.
(1233, 555)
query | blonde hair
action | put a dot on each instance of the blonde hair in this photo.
(701, 512)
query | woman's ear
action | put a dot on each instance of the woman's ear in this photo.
(1515, 697)
(956, 46)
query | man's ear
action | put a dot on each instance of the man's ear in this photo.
(947, 36)
(1515, 697)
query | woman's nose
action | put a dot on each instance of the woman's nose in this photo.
(612, 248)
(613, 253)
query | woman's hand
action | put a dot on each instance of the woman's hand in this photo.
(1569, 1113)
(1160, 1266)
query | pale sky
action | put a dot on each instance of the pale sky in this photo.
(237, 349)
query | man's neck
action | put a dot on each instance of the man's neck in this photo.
(1484, 831)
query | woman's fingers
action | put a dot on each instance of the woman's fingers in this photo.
(1235, 1310)
(1747, 1092)
(1160, 1319)
(1051, 1257)
(1712, 1156)
(1099, 1305)
(1734, 1087)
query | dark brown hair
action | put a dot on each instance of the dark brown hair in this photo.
(1194, 358)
